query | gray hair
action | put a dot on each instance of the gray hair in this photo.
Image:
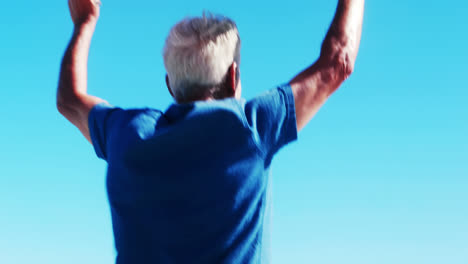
(198, 53)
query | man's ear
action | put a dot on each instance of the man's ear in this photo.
(169, 86)
(232, 79)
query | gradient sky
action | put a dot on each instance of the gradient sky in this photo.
(380, 175)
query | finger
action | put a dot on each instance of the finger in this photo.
(71, 6)
(96, 2)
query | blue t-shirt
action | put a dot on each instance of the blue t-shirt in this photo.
(192, 184)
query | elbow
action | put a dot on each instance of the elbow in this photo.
(60, 107)
(340, 65)
(60, 102)
(340, 56)
(345, 65)
(65, 103)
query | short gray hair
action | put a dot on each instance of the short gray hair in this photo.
(198, 53)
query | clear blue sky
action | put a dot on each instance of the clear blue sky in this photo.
(379, 176)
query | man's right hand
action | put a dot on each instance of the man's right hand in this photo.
(84, 11)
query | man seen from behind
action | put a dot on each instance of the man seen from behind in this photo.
(191, 184)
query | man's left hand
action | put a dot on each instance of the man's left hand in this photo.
(84, 11)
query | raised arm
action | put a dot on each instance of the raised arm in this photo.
(314, 85)
(73, 101)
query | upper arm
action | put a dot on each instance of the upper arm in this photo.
(76, 109)
(313, 86)
(272, 117)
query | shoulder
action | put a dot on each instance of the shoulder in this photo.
(272, 103)
(269, 103)
(107, 119)
(274, 95)
(105, 111)
(272, 117)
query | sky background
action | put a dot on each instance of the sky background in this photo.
(380, 175)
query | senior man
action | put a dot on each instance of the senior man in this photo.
(192, 184)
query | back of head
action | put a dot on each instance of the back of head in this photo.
(198, 53)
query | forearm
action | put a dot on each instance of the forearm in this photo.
(314, 85)
(74, 68)
(73, 102)
(341, 44)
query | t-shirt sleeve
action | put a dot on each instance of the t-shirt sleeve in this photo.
(272, 116)
(102, 120)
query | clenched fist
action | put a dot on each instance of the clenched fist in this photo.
(84, 11)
